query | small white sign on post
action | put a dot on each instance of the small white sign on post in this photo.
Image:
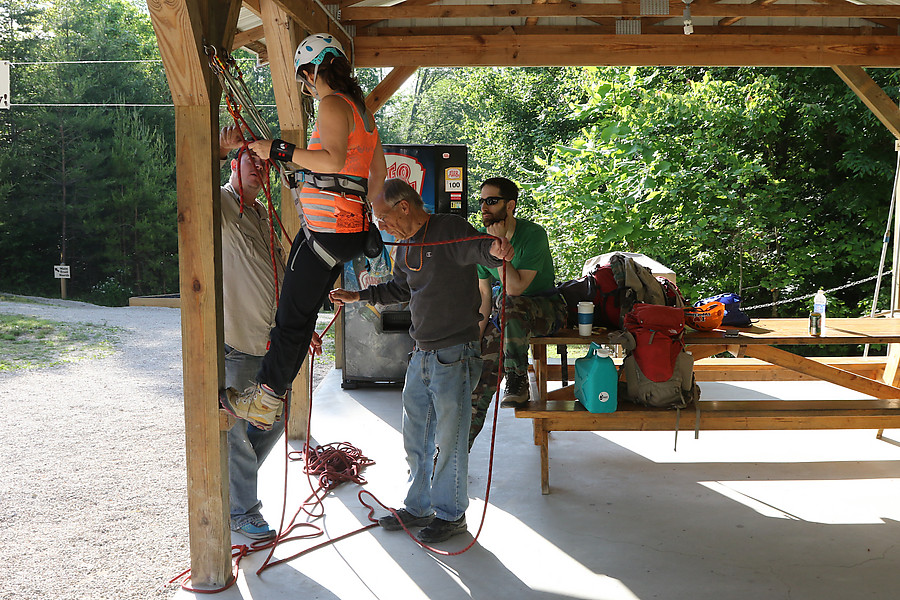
(61, 271)
(4, 84)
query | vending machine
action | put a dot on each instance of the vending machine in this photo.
(376, 338)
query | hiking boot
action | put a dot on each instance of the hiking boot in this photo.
(255, 528)
(516, 392)
(441, 530)
(257, 404)
(391, 523)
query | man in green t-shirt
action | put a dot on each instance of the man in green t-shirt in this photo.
(532, 308)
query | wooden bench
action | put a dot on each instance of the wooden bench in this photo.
(877, 377)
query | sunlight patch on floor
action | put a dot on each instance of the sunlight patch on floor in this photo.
(831, 502)
(549, 569)
(754, 446)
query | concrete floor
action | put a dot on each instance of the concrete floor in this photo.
(799, 515)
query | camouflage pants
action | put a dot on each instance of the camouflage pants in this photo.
(526, 317)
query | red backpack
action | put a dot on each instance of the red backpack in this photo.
(607, 298)
(614, 288)
(656, 370)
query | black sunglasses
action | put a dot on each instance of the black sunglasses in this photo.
(491, 200)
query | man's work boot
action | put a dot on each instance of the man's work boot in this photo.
(516, 392)
(257, 404)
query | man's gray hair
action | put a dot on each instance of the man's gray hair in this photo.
(396, 190)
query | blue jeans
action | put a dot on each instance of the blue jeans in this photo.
(436, 412)
(247, 445)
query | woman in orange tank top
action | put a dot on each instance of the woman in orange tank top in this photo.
(345, 147)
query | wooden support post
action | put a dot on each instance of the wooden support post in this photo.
(539, 352)
(199, 259)
(182, 28)
(542, 435)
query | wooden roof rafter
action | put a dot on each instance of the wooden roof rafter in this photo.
(840, 24)
(407, 10)
(577, 49)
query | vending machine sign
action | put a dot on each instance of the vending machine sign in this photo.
(407, 168)
(453, 179)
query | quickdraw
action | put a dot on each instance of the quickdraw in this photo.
(239, 102)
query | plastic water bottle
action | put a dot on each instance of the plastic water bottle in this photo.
(819, 303)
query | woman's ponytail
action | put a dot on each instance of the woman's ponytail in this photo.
(339, 76)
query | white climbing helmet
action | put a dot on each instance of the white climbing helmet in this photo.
(314, 49)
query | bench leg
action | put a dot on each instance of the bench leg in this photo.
(881, 437)
(542, 436)
(539, 358)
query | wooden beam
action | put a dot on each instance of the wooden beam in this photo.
(310, 16)
(872, 96)
(388, 86)
(891, 24)
(404, 3)
(630, 9)
(262, 53)
(629, 50)
(282, 36)
(253, 6)
(824, 372)
(608, 27)
(733, 20)
(179, 34)
(242, 38)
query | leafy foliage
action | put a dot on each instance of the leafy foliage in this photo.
(756, 184)
(769, 182)
(89, 186)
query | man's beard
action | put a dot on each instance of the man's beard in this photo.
(490, 218)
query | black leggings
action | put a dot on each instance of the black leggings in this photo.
(307, 282)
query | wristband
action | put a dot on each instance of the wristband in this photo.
(282, 150)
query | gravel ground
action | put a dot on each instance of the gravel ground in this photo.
(93, 500)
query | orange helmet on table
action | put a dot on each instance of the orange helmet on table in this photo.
(705, 317)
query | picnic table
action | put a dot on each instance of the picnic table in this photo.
(757, 356)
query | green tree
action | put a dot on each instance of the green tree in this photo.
(753, 183)
(54, 172)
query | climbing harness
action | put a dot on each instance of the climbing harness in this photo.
(335, 183)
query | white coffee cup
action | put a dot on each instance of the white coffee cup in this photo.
(585, 318)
